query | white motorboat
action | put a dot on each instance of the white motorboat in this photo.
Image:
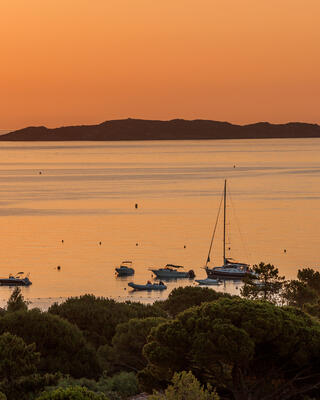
(148, 286)
(125, 269)
(18, 280)
(172, 271)
(209, 281)
(230, 269)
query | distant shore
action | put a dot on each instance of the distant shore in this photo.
(177, 129)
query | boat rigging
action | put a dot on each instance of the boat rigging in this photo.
(230, 268)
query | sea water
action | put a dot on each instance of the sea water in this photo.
(60, 200)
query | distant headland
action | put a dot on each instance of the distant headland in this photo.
(176, 129)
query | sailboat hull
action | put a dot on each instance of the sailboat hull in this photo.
(227, 272)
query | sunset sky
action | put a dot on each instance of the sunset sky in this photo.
(85, 61)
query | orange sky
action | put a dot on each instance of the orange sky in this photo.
(84, 61)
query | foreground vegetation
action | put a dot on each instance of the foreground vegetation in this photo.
(197, 344)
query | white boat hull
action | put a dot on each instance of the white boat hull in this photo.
(162, 273)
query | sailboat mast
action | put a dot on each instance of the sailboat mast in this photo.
(224, 221)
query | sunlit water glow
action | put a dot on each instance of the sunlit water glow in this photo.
(85, 192)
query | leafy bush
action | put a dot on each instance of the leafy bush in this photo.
(185, 387)
(115, 387)
(72, 393)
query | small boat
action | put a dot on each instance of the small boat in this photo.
(125, 269)
(172, 271)
(209, 281)
(148, 286)
(230, 269)
(18, 280)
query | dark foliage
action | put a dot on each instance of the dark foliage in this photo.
(18, 367)
(97, 317)
(304, 290)
(310, 277)
(27, 387)
(16, 301)
(61, 344)
(254, 349)
(127, 344)
(185, 387)
(312, 309)
(117, 387)
(297, 294)
(269, 286)
(182, 298)
(72, 393)
(16, 357)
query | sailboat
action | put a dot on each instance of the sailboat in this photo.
(230, 268)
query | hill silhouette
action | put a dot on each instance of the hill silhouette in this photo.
(176, 129)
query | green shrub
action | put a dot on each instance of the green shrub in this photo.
(185, 387)
(118, 386)
(72, 393)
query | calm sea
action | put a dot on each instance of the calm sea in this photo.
(83, 193)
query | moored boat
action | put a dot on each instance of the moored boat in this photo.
(230, 269)
(209, 281)
(18, 280)
(148, 286)
(125, 269)
(172, 271)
